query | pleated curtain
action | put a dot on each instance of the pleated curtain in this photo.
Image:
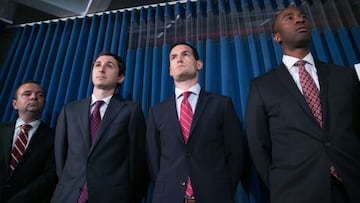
(233, 38)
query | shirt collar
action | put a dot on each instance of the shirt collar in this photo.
(194, 89)
(106, 99)
(289, 61)
(35, 124)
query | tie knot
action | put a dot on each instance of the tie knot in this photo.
(98, 104)
(300, 63)
(26, 127)
(186, 94)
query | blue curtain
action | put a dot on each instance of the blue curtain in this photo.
(233, 39)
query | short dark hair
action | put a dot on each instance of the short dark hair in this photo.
(194, 51)
(24, 83)
(274, 22)
(119, 60)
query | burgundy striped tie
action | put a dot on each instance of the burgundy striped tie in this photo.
(19, 147)
(95, 119)
(186, 116)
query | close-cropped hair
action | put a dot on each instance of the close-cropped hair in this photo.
(23, 83)
(194, 51)
(274, 23)
(119, 60)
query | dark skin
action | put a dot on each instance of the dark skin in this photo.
(292, 30)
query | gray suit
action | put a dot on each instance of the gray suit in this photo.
(114, 166)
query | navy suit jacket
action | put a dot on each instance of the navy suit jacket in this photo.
(34, 178)
(212, 158)
(114, 166)
(290, 151)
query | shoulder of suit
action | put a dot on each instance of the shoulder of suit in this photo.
(78, 102)
(8, 124)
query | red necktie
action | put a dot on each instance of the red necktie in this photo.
(310, 91)
(95, 119)
(19, 147)
(186, 116)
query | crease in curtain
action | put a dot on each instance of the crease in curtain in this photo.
(233, 38)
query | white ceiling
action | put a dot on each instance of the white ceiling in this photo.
(26, 11)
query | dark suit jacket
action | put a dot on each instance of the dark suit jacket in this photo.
(212, 158)
(114, 166)
(290, 151)
(34, 178)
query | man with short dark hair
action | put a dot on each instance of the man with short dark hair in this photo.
(27, 167)
(100, 142)
(302, 122)
(194, 139)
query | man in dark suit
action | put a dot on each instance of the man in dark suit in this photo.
(204, 166)
(111, 166)
(29, 177)
(305, 152)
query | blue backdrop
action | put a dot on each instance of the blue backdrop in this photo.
(233, 38)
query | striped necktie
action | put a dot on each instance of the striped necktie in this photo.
(19, 147)
(186, 116)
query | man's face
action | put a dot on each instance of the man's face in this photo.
(183, 65)
(293, 29)
(29, 99)
(105, 73)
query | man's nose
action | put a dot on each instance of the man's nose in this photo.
(300, 19)
(33, 96)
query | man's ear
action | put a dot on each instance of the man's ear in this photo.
(199, 64)
(277, 37)
(121, 79)
(14, 104)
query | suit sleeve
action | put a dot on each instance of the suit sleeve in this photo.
(138, 166)
(234, 143)
(257, 131)
(152, 146)
(61, 142)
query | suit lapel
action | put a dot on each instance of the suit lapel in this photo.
(288, 82)
(34, 143)
(323, 75)
(174, 117)
(200, 107)
(7, 142)
(115, 105)
(83, 120)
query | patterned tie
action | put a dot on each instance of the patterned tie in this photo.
(19, 147)
(310, 91)
(312, 97)
(186, 116)
(95, 119)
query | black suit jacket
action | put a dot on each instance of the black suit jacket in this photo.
(290, 151)
(34, 178)
(212, 158)
(114, 166)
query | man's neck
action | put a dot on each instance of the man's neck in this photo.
(30, 117)
(297, 52)
(184, 85)
(101, 93)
